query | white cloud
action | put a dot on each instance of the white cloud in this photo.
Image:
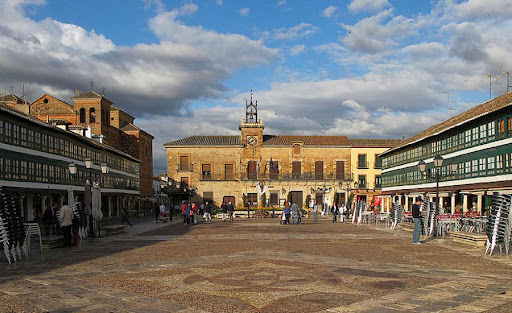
(378, 33)
(219, 2)
(297, 49)
(301, 30)
(281, 2)
(329, 11)
(244, 11)
(368, 5)
(485, 8)
(188, 63)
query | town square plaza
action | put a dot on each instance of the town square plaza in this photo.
(258, 265)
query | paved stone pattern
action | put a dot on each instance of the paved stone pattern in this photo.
(258, 265)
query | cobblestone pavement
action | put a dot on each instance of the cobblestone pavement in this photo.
(258, 265)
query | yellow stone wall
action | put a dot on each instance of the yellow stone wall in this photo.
(217, 156)
(370, 172)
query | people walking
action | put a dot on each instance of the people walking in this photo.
(124, 215)
(194, 213)
(315, 212)
(231, 211)
(287, 213)
(295, 213)
(416, 215)
(224, 211)
(208, 211)
(343, 211)
(66, 221)
(184, 212)
(49, 219)
(162, 210)
(201, 209)
(157, 212)
(187, 213)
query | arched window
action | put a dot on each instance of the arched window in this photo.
(82, 115)
(92, 115)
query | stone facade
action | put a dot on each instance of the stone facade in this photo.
(93, 110)
(225, 168)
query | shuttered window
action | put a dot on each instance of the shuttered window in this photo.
(251, 170)
(340, 169)
(274, 170)
(228, 172)
(207, 171)
(319, 169)
(296, 169)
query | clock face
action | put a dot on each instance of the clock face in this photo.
(252, 140)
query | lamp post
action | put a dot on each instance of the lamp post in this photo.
(438, 163)
(105, 169)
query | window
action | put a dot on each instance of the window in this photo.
(340, 169)
(228, 172)
(296, 169)
(491, 134)
(378, 159)
(274, 169)
(92, 115)
(481, 166)
(184, 182)
(501, 128)
(361, 161)
(378, 181)
(362, 181)
(82, 115)
(251, 170)
(296, 149)
(184, 163)
(206, 171)
(490, 164)
(319, 169)
(509, 126)
(475, 168)
(274, 198)
(468, 138)
(475, 135)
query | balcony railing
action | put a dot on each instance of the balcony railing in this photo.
(362, 164)
(292, 176)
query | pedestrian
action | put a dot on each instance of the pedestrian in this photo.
(287, 213)
(162, 210)
(201, 209)
(66, 221)
(208, 211)
(76, 229)
(224, 210)
(231, 211)
(124, 215)
(184, 212)
(188, 214)
(416, 215)
(194, 213)
(315, 212)
(334, 211)
(157, 212)
(49, 220)
(343, 211)
(295, 213)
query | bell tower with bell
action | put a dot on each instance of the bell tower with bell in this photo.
(251, 127)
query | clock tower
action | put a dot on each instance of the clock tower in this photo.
(251, 127)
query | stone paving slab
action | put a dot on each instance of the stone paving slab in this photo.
(259, 266)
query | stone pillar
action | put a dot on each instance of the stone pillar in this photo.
(414, 199)
(479, 203)
(61, 200)
(452, 205)
(110, 206)
(406, 203)
(23, 209)
(118, 204)
(440, 201)
(465, 203)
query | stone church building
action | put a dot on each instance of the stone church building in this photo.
(269, 169)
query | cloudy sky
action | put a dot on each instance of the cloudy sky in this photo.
(362, 68)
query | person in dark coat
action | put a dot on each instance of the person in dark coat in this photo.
(224, 210)
(157, 212)
(417, 217)
(231, 211)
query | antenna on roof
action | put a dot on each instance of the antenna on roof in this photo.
(508, 78)
(23, 92)
(449, 108)
(92, 84)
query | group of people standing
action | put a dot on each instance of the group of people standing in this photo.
(190, 212)
(336, 211)
(61, 222)
(292, 211)
(227, 209)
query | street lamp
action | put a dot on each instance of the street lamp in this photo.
(438, 162)
(72, 168)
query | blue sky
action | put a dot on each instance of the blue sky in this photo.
(361, 68)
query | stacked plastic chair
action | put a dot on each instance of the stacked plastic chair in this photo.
(431, 220)
(499, 225)
(396, 214)
(12, 231)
